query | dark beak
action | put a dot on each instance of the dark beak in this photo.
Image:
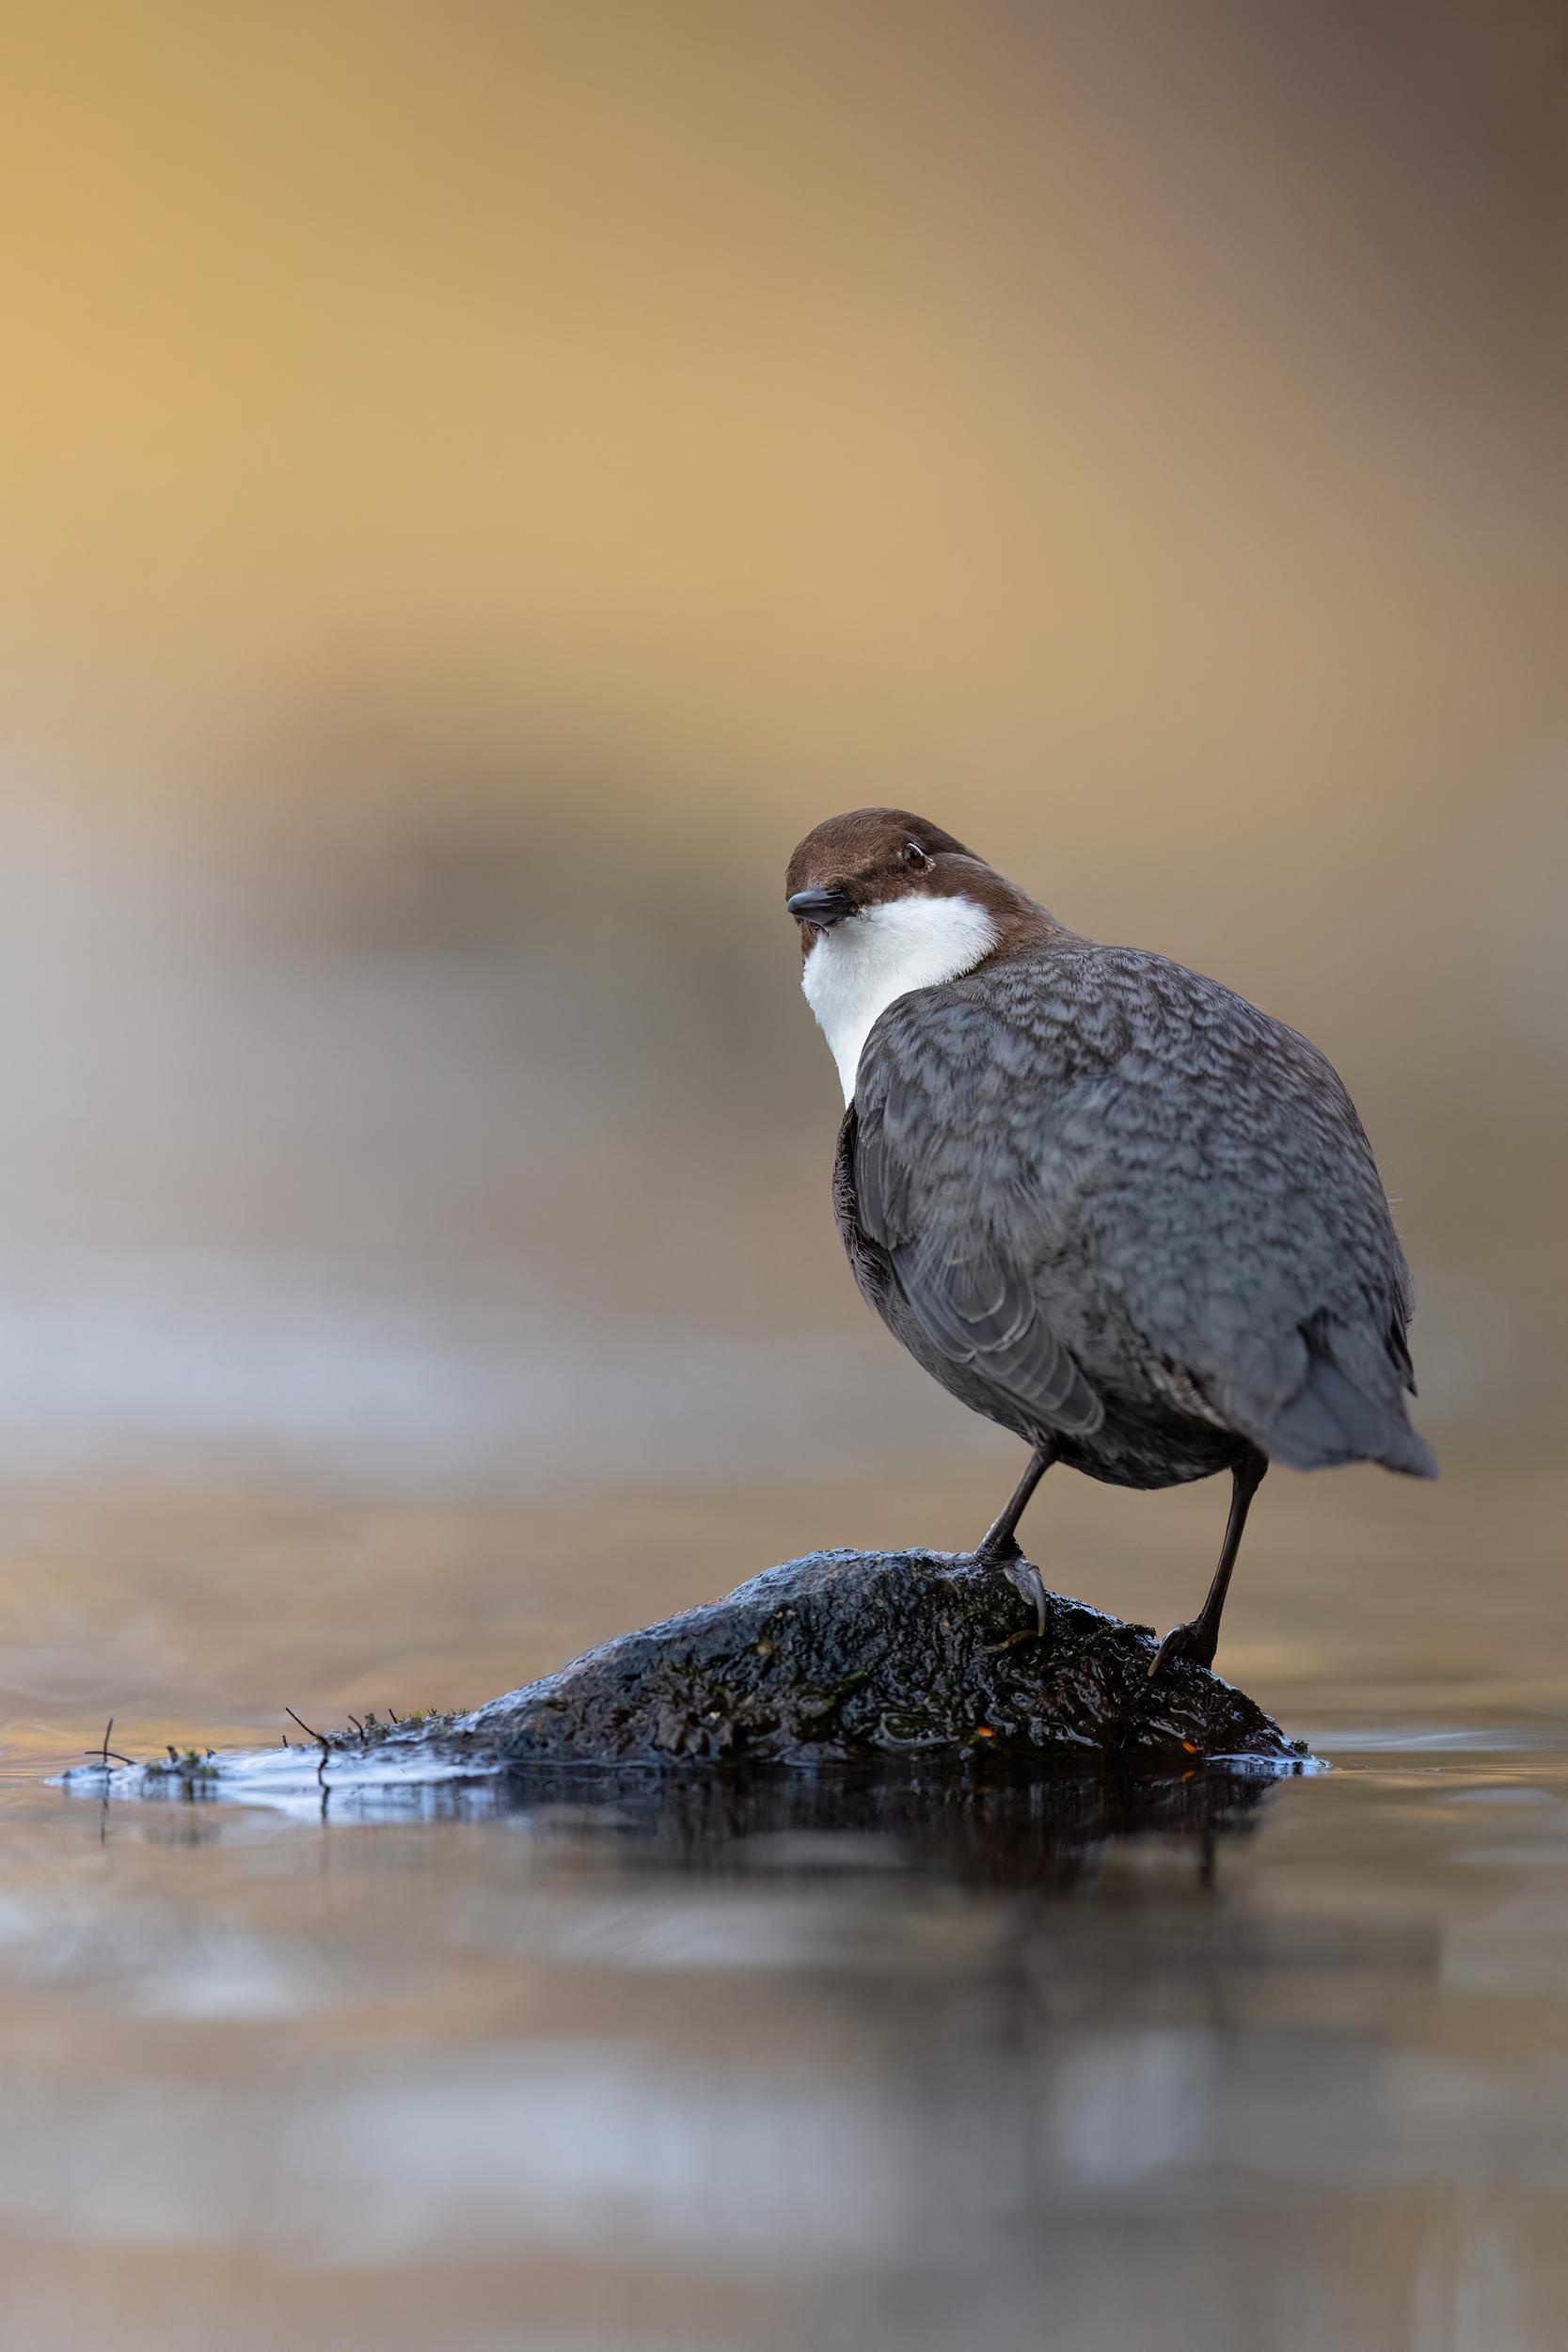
(820, 907)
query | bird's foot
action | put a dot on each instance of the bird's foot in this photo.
(1022, 1574)
(1194, 1644)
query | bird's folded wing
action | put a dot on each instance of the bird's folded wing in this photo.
(970, 1293)
(981, 1310)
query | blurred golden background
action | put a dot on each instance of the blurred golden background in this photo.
(478, 482)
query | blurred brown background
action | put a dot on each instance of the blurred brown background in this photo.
(477, 482)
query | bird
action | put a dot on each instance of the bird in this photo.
(1105, 1200)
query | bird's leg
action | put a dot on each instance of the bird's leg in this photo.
(1199, 1641)
(998, 1547)
(1000, 1542)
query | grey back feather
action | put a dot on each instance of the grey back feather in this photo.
(1103, 1178)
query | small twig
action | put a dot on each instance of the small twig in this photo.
(104, 1753)
(355, 1722)
(323, 1743)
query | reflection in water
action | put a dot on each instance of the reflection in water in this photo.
(982, 1824)
(851, 2060)
(981, 1829)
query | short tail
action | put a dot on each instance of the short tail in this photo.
(1331, 1420)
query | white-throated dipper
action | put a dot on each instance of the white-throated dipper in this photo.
(1105, 1201)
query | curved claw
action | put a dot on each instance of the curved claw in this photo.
(1028, 1583)
(1184, 1641)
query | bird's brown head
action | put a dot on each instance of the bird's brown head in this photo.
(850, 862)
(873, 856)
(888, 903)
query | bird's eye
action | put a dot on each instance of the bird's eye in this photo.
(913, 854)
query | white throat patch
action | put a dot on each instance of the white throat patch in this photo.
(866, 962)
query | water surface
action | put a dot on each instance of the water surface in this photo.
(572, 2065)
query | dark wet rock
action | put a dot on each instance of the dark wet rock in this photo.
(908, 1678)
(854, 1653)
